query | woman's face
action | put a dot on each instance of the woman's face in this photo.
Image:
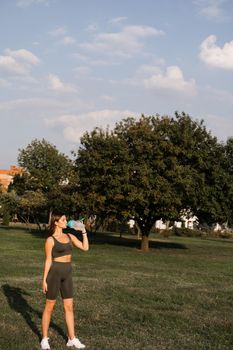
(62, 222)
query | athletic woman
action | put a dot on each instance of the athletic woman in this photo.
(57, 276)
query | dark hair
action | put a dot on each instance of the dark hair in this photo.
(56, 215)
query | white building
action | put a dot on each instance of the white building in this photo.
(186, 221)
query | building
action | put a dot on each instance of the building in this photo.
(6, 176)
(187, 221)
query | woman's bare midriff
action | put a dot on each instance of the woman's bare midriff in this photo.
(65, 259)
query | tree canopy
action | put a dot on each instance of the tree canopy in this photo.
(47, 172)
(152, 168)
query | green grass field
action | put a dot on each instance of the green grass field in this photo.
(177, 296)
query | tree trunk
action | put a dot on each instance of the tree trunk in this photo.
(50, 215)
(145, 243)
(167, 224)
(37, 222)
(137, 230)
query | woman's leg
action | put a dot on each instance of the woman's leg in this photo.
(69, 316)
(46, 317)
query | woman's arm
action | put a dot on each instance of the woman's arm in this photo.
(48, 262)
(84, 245)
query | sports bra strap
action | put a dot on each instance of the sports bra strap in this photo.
(55, 240)
(69, 237)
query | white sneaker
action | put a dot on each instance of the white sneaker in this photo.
(44, 344)
(76, 343)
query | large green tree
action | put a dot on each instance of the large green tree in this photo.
(203, 159)
(46, 171)
(153, 168)
(228, 184)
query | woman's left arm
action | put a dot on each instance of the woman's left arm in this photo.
(84, 245)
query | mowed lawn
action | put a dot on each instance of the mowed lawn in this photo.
(177, 296)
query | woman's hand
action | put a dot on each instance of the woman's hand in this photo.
(44, 287)
(80, 227)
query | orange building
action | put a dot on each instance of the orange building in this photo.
(6, 176)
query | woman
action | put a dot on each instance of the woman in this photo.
(58, 277)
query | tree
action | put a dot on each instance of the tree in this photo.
(203, 161)
(46, 171)
(30, 204)
(8, 205)
(153, 172)
(125, 174)
(98, 178)
(152, 168)
(228, 183)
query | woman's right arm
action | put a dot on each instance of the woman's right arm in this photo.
(48, 262)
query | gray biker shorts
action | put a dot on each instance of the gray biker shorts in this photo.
(59, 279)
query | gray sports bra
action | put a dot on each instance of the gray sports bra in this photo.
(61, 249)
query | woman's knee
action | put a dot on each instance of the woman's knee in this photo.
(50, 305)
(68, 305)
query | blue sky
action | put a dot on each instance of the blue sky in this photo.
(67, 66)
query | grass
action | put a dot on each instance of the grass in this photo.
(177, 296)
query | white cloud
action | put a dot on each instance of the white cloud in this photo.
(17, 61)
(68, 40)
(58, 31)
(150, 69)
(117, 20)
(142, 31)
(216, 56)
(23, 55)
(123, 43)
(10, 65)
(57, 85)
(94, 62)
(211, 9)
(27, 3)
(74, 126)
(30, 104)
(171, 81)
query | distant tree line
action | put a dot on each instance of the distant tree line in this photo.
(146, 169)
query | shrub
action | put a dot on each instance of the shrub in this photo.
(226, 234)
(186, 232)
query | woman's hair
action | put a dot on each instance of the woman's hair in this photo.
(56, 215)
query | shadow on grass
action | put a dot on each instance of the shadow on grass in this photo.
(33, 231)
(106, 238)
(17, 302)
(102, 238)
(13, 228)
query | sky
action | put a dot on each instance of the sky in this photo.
(68, 66)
